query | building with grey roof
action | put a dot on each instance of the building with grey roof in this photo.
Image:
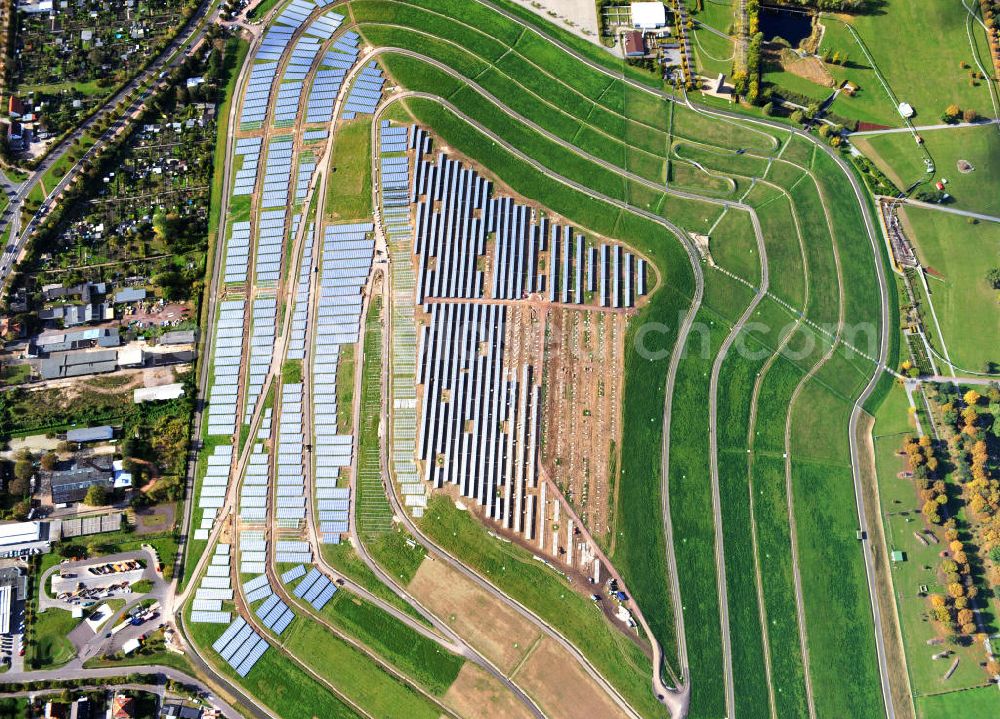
(64, 340)
(71, 485)
(101, 433)
(177, 337)
(78, 363)
(130, 294)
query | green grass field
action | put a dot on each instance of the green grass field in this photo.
(901, 519)
(922, 67)
(901, 160)
(50, 646)
(355, 674)
(349, 181)
(411, 652)
(960, 255)
(981, 702)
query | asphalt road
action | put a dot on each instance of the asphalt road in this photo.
(79, 674)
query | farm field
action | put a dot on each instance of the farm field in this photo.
(901, 160)
(960, 254)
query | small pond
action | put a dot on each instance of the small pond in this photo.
(792, 26)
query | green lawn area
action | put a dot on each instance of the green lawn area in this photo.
(291, 371)
(50, 647)
(64, 163)
(262, 9)
(796, 84)
(714, 13)
(922, 65)
(86, 88)
(349, 182)
(981, 702)
(966, 305)
(345, 389)
(902, 161)
(734, 247)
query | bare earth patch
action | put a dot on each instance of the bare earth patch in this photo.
(493, 628)
(965, 167)
(478, 695)
(561, 687)
(808, 68)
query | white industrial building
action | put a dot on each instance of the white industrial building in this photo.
(6, 594)
(649, 15)
(18, 538)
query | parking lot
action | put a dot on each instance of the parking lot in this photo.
(85, 583)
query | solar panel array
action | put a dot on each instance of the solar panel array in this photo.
(291, 499)
(315, 588)
(214, 588)
(476, 428)
(296, 349)
(257, 588)
(240, 646)
(329, 78)
(447, 228)
(270, 242)
(345, 263)
(365, 93)
(277, 172)
(253, 492)
(275, 614)
(258, 92)
(253, 550)
(395, 196)
(292, 574)
(455, 213)
(227, 356)
(307, 165)
(261, 349)
(214, 486)
(237, 252)
(247, 151)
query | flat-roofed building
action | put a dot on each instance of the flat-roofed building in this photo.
(101, 433)
(649, 15)
(6, 604)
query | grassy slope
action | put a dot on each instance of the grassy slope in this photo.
(406, 649)
(962, 253)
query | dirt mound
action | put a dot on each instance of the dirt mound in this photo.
(965, 167)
